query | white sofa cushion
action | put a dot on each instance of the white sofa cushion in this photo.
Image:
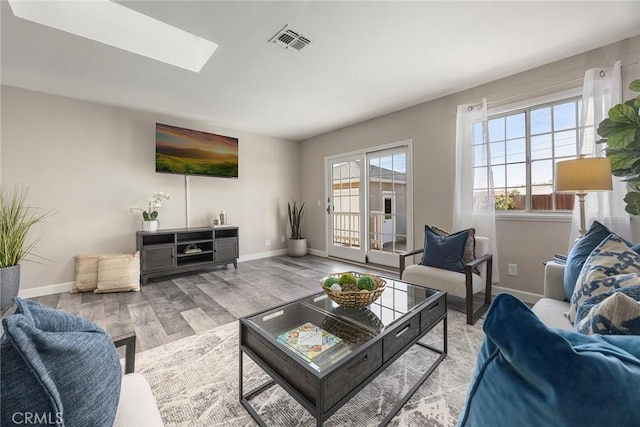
(444, 280)
(137, 406)
(551, 312)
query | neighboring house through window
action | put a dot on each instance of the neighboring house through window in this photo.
(525, 143)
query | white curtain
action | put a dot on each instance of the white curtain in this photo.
(602, 90)
(475, 208)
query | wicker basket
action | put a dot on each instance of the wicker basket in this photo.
(357, 299)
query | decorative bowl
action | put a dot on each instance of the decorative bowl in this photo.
(355, 299)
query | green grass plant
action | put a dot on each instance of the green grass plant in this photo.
(16, 220)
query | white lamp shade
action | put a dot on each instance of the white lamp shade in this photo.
(583, 175)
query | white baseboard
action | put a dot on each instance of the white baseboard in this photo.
(528, 297)
(46, 290)
(260, 255)
(317, 252)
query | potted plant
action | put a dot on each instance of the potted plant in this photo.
(297, 245)
(621, 132)
(150, 216)
(16, 220)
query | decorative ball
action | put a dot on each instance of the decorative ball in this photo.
(330, 281)
(348, 278)
(366, 283)
(335, 288)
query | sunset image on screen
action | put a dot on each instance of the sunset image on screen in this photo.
(192, 152)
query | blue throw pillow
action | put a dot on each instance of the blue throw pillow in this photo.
(57, 369)
(531, 375)
(579, 253)
(444, 251)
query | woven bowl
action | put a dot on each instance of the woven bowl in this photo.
(358, 299)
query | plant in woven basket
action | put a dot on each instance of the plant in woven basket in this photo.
(330, 281)
(348, 283)
(366, 283)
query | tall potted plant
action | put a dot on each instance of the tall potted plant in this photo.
(621, 132)
(16, 220)
(297, 245)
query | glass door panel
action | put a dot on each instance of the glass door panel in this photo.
(344, 208)
(388, 205)
(369, 206)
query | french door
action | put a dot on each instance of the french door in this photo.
(369, 205)
(345, 205)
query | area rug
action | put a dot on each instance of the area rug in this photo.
(195, 382)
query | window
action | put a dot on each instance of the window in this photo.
(523, 147)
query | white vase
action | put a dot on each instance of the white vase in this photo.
(149, 225)
(297, 247)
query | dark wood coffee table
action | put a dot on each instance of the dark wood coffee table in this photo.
(371, 340)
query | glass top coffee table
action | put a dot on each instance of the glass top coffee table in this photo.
(323, 354)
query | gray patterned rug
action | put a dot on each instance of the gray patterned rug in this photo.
(195, 381)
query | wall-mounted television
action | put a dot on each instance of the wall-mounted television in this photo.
(191, 152)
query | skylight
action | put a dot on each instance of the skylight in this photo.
(115, 25)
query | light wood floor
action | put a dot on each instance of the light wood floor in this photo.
(178, 306)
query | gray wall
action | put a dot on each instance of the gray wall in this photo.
(431, 126)
(91, 163)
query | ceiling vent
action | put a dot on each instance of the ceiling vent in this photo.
(289, 39)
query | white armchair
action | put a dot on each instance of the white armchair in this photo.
(137, 405)
(463, 285)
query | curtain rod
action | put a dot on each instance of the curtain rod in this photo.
(605, 70)
(602, 72)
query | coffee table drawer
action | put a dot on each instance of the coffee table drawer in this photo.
(402, 336)
(351, 375)
(432, 313)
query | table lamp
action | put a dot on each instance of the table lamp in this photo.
(581, 176)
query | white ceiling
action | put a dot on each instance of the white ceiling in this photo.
(365, 59)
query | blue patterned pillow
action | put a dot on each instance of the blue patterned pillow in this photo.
(530, 375)
(579, 254)
(445, 252)
(612, 257)
(61, 368)
(617, 314)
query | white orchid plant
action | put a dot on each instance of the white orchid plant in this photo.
(155, 202)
